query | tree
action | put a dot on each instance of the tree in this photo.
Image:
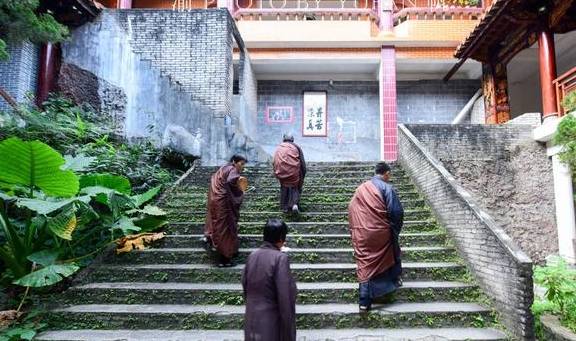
(19, 21)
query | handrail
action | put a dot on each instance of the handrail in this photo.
(564, 84)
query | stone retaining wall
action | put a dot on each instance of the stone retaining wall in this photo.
(502, 270)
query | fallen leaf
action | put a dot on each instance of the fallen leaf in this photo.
(137, 241)
(7, 317)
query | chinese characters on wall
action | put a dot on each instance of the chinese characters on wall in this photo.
(314, 114)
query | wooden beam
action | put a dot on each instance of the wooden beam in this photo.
(559, 11)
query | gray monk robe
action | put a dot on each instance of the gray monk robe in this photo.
(270, 296)
(223, 211)
(290, 170)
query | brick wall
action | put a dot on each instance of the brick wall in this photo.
(174, 68)
(433, 101)
(193, 48)
(19, 75)
(502, 270)
(354, 105)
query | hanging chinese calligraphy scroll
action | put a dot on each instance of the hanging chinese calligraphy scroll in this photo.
(314, 114)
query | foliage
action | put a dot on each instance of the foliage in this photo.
(569, 102)
(50, 221)
(88, 136)
(560, 298)
(20, 20)
(22, 329)
(566, 137)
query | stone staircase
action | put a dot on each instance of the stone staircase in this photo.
(174, 292)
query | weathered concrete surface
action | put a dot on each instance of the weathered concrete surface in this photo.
(508, 173)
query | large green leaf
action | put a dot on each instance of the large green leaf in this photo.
(48, 275)
(126, 225)
(35, 164)
(115, 182)
(63, 224)
(150, 223)
(78, 163)
(143, 198)
(49, 206)
(149, 210)
(44, 257)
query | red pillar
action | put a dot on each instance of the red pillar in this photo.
(49, 54)
(548, 74)
(124, 4)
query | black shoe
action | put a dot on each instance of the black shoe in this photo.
(364, 309)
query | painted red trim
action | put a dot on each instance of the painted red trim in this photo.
(267, 116)
(325, 105)
(49, 55)
(548, 73)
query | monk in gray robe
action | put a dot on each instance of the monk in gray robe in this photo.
(375, 217)
(223, 210)
(269, 289)
(290, 170)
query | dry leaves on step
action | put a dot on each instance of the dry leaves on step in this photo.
(8, 316)
(137, 241)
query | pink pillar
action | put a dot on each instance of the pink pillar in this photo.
(124, 4)
(388, 106)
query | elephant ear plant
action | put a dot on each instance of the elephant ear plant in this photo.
(52, 220)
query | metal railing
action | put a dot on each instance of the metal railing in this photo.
(565, 85)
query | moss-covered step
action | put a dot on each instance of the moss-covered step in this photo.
(197, 273)
(183, 214)
(270, 180)
(166, 316)
(274, 205)
(189, 227)
(446, 334)
(306, 196)
(231, 294)
(274, 189)
(304, 240)
(326, 255)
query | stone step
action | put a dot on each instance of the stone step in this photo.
(231, 294)
(444, 334)
(274, 205)
(326, 255)
(303, 272)
(313, 167)
(275, 188)
(304, 240)
(270, 180)
(182, 214)
(167, 316)
(307, 196)
(322, 228)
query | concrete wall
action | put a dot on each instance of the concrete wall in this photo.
(502, 270)
(354, 106)
(509, 175)
(433, 101)
(19, 75)
(174, 68)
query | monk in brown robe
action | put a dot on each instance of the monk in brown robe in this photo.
(269, 289)
(290, 170)
(223, 210)
(375, 217)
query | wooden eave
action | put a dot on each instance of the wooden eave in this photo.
(72, 13)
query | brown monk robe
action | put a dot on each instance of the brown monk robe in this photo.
(269, 289)
(375, 216)
(290, 170)
(223, 209)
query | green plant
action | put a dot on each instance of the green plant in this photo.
(25, 328)
(566, 138)
(560, 298)
(20, 20)
(50, 218)
(569, 102)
